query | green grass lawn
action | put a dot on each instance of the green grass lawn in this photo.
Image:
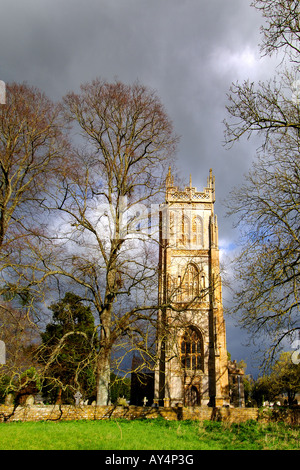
(156, 434)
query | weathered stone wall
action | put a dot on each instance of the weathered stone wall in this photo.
(70, 412)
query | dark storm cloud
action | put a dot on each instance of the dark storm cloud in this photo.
(188, 50)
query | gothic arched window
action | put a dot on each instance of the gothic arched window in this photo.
(191, 350)
(197, 229)
(191, 282)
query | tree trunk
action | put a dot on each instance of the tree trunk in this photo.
(104, 358)
(103, 378)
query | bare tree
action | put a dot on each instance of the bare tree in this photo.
(270, 108)
(267, 206)
(281, 28)
(102, 242)
(267, 268)
(32, 144)
(31, 147)
(19, 335)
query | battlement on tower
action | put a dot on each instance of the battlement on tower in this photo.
(190, 193)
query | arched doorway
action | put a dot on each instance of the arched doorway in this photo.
(192, 397)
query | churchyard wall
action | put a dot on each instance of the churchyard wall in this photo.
(90, 412)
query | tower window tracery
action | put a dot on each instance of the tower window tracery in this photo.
(197, 231)
(191, 282)
(191, 349)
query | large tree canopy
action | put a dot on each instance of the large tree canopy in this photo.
(103, 202)
(77, 181)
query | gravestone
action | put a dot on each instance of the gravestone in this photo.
(77, 398)
(30, 400)
(38, 399)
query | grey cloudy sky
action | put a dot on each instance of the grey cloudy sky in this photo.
(188, 50)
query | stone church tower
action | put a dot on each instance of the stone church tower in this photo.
(192, 368)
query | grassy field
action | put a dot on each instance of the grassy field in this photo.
(156, 434)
